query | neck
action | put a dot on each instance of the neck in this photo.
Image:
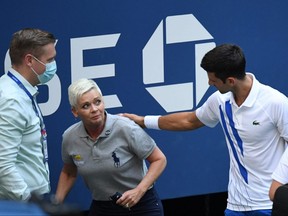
(242, 89)
(93, 131)
(27, 73)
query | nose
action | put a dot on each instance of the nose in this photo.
(94, 107)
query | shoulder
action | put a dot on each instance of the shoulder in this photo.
(9, 89)
(72, 130)
(120, 121)
(123, 125)
(266, 91)
(11, 98)
(274, 95)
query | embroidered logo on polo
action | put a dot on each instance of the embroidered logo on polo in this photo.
(256, 122)
(116, 159)
(77, 157)
(78, 160)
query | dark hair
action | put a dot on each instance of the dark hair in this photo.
(26, 41)
(226, 60)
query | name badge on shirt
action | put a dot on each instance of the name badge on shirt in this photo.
(44, 144)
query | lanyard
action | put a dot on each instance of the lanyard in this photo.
(38, 113)
(20, 84)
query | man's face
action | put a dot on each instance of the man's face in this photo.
(218, 83)
(48, 56)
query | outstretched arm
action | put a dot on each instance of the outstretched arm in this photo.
(177, 121)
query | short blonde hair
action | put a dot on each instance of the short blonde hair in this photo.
(80, 87)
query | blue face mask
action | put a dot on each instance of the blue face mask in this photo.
(49, 73)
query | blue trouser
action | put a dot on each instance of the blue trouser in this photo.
(264, 212)
(149, 205)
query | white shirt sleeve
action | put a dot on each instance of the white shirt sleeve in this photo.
(12, 184)
(208, 113)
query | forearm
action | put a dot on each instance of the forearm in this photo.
(181, 121)
(158, 163)
(65, 183)
(175, 121)
(155, 170)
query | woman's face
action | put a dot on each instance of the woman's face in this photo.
(90, 109)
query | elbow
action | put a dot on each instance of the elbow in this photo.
(161, 164)
(273, 189)
(164, 162)
(271, 196)
(272, 192)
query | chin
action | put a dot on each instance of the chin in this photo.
(222, 92)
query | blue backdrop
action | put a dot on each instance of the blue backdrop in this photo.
(145, 57)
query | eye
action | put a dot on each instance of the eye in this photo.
(86, 106)
(97, 102)
(50, 60)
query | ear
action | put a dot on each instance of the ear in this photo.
(28, 60)
(231, 80)
(74, 111)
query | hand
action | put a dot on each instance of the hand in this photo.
(137, 119)
(130, 198)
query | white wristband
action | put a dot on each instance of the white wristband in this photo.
(151, 122)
